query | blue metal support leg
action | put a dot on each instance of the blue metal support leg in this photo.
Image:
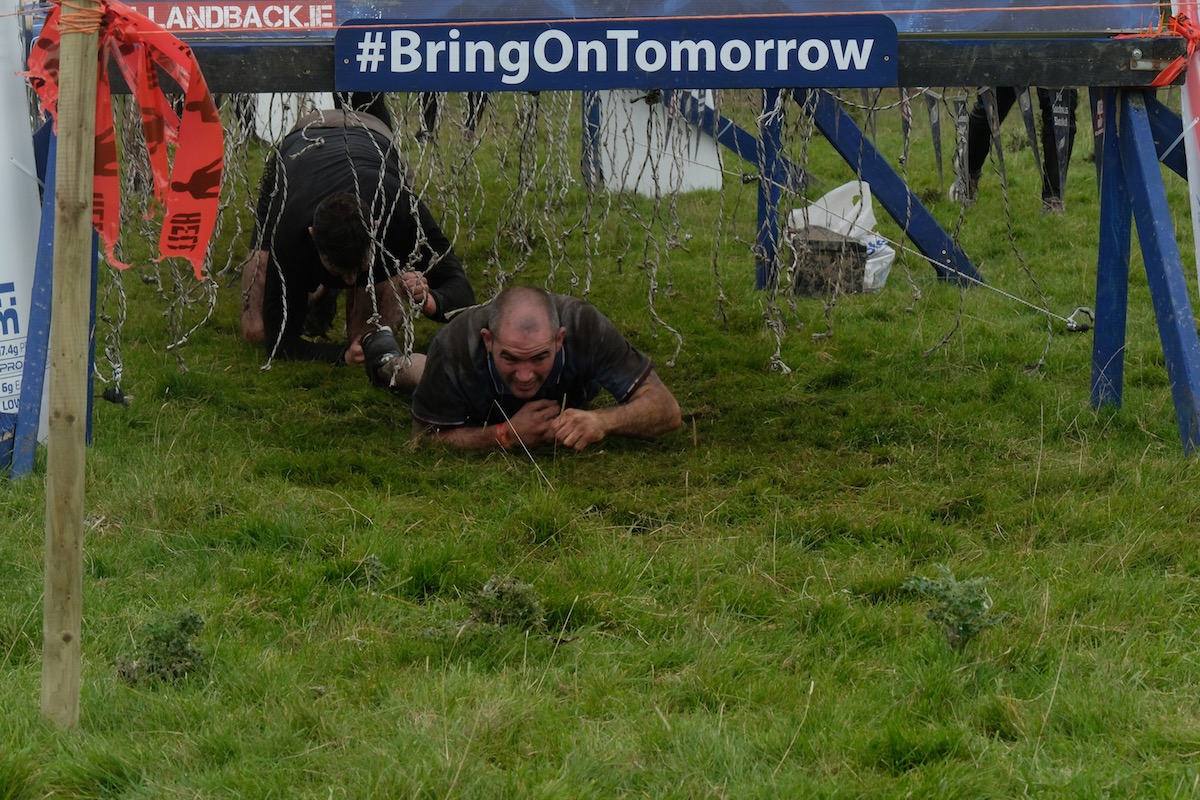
(1164, 268)
(948, 259)
(772, 176)
(1112, 270)
(37, 339)
(1167, 128)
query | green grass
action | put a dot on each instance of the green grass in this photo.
(725, 610)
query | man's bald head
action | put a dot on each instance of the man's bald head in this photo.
(522, 310)
(523, 338)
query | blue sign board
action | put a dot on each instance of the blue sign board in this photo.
(630, 53)
(909, 16)
(317, 20)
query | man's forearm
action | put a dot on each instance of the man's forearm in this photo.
(450, 286)
(467, 437)
(651, 412)
(254, 279)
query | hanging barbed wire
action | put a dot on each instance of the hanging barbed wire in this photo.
(504, 175)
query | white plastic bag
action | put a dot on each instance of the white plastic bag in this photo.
(847, 210)
(880, 256)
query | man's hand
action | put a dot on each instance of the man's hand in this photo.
(576, 428)
(354, 353)
(532, 425)
(417, 289)
(652, 410)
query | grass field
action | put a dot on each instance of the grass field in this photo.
(725, 612)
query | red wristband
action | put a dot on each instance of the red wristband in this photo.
(501, 432)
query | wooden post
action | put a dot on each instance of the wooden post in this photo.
(63, 611)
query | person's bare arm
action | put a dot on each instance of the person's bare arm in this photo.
(254, 278)
(651, 412)
(531, 427)
(464, 438)
(357, 307)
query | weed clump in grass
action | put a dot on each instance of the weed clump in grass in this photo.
(963, 607)
(366, 573)
(168, 650)
(508, 601)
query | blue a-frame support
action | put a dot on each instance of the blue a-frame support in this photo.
(888, 187)
(892, 192)
(1138, 132)
(37, 337)
(1131, 185)
(776, 172)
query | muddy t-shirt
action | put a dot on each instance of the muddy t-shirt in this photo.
(461, 386)
(334, 152)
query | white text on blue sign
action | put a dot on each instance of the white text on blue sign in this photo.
(726, 52)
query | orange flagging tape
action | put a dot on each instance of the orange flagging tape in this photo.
(189, 189)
